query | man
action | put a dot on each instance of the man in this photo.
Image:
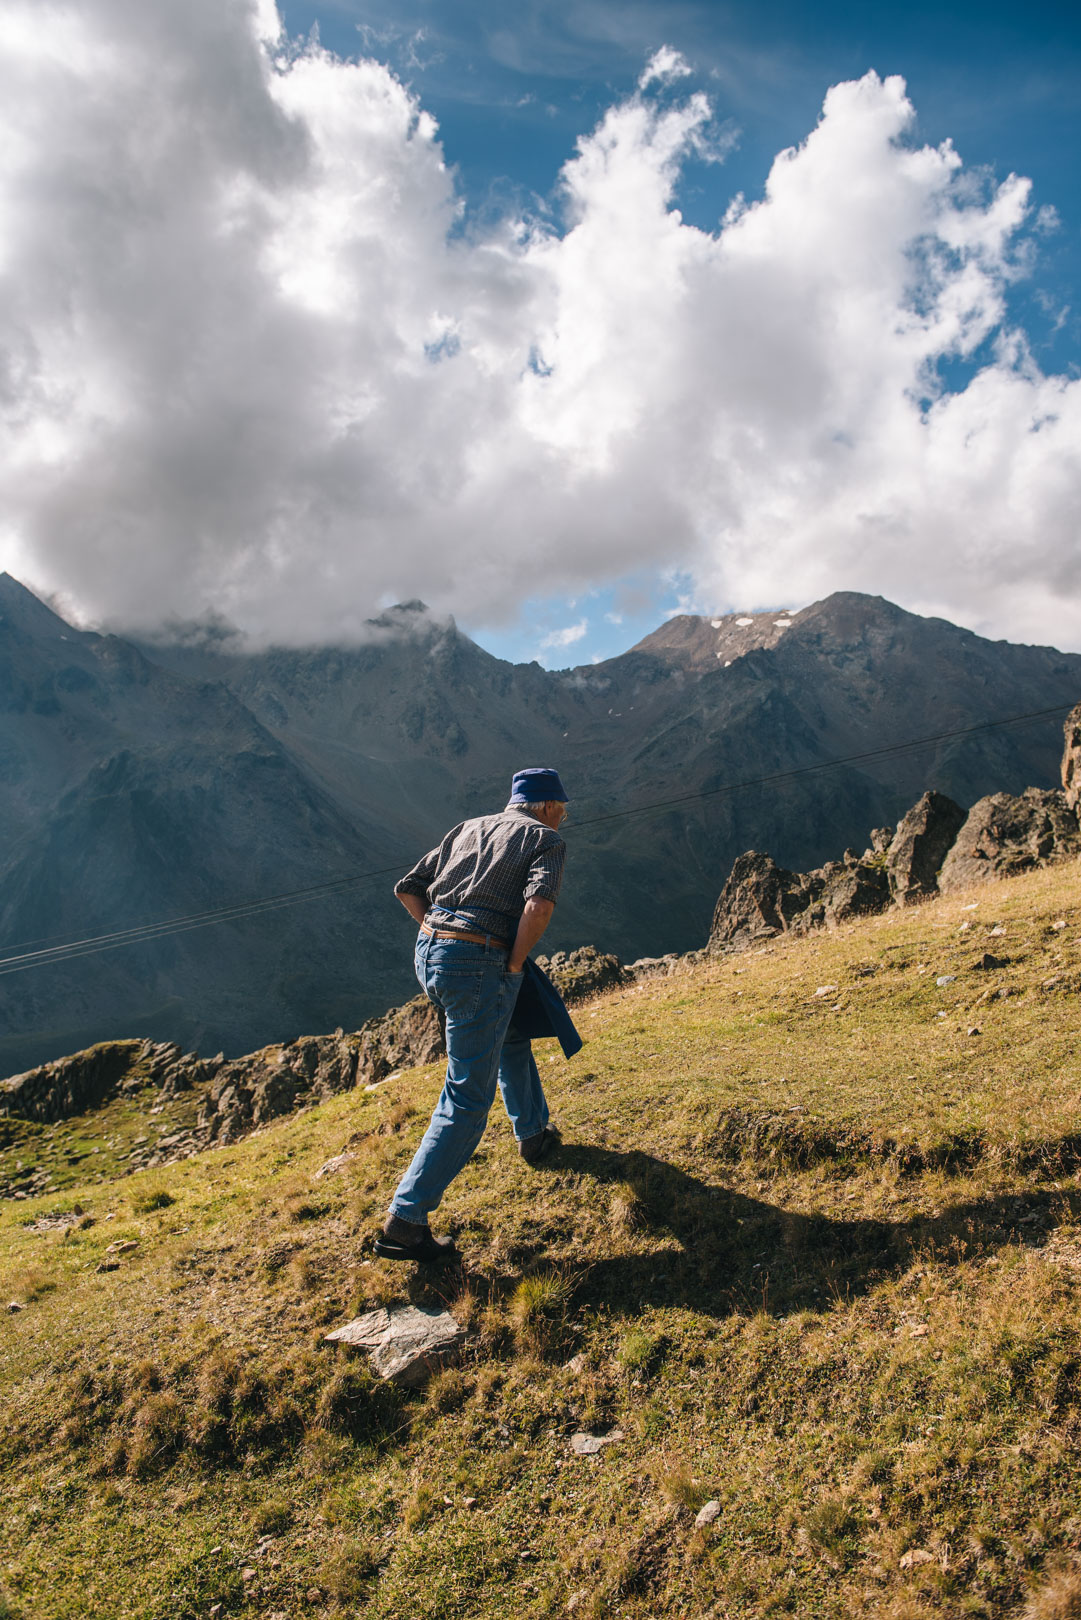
(483, 898)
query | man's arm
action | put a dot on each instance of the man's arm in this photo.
(414, 905)
(534, 920)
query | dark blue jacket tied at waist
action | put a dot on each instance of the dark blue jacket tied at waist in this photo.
(540, 1013)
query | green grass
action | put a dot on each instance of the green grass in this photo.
(817, 1257)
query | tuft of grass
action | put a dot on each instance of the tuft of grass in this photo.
(538, 1309)
(420, 1508)
(272, 1517)
(1058, 1599)
(348, 1572)
(627, 1211)
(146, 1203)
(640, 1351)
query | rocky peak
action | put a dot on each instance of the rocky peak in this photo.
(704, 644)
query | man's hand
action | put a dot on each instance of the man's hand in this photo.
(414, 905)
(534, 920)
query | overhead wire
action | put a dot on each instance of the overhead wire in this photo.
(240, 911)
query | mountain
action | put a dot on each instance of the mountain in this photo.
(149, 781)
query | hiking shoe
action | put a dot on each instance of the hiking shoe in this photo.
(409, 1240)
(535, 1148)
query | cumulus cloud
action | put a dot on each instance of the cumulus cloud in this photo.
(567, 636)
(664, 67)
(254, 361)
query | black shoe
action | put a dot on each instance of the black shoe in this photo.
(408, 1240)
(536, 1148)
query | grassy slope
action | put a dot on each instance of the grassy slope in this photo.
(816, 1254)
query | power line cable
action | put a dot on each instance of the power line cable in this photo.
(147, 933)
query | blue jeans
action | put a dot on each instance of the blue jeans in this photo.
(472, 985)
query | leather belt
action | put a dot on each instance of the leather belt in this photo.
(469, 939)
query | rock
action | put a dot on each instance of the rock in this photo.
(653, 967)
(881, 839)
(1071, 761)
(332, 1166)
(915, 1556)
(406, 1343)
(70, 1085)
(706, 1514)
(759, 900)
(946, 978)
(14, 1305)
(584, 972)
(403, 1038)
(762, 899)
(860, 891)
(588, 1445)
(988, 963)
(1003, 835)
(826, 990)
(924, 837)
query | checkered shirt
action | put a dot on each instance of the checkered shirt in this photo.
(480, 877)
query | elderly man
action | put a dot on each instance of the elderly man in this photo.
(483, 898)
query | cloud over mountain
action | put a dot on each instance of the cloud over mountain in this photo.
(254, 357)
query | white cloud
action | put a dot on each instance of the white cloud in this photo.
(567, 636)
(250, 359)
(664, 67)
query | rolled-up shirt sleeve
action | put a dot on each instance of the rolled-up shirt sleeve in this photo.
(417, 879)
(546, 873)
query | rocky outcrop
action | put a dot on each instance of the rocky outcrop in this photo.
(584, 972)
(1071, 761)
(85, 1080)
(921, 843)
(250, 1091)
(762, 899)
(403, 1038)
(759, 900)
(1003, 835)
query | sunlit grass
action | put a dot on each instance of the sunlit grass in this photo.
(815, 1256)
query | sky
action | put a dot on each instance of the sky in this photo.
(561, 318)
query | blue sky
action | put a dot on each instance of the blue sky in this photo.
(513, 87)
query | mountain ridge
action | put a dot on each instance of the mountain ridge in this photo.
(153, 779)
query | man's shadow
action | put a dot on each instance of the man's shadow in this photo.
(741, 1253)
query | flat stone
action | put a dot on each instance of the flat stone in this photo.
(706, 1515)
(588, 1445)
(406, 1344)
(332, 1166)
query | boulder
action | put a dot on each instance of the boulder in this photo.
(859, 889)
(923, 839)
(584, 972)
(403, 1038)
(760, 900)
(1004, 835)
(1071, 761)
(406, 1344)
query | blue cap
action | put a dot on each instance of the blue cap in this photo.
(535, 786)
